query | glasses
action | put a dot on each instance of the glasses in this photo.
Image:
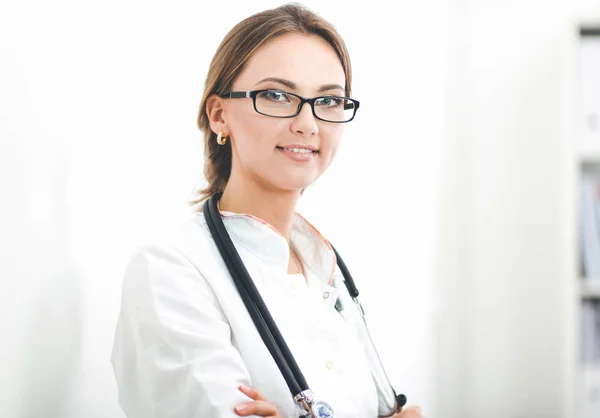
(282, 104)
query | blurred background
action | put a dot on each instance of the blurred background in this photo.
(463, 163)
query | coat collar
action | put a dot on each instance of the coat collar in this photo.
(268, 244)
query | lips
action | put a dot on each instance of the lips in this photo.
(300, 149)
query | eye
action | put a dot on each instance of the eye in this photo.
(329, 102)
(275, 96)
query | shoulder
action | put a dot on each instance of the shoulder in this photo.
(173, 255)
(187, 237)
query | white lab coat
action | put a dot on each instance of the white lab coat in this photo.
(185, 341)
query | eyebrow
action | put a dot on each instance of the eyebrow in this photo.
(293, 86)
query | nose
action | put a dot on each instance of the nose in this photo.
(304, 123)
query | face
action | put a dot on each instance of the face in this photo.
(300, 64)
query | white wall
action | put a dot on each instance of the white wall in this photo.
(504, 350)
(99, 150)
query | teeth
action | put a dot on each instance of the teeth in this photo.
(304, 150)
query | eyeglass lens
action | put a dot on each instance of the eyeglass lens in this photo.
(280, 104)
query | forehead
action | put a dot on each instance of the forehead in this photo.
(307, 60)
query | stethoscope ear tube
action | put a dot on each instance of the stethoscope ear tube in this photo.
(399, 400)
(348, 280)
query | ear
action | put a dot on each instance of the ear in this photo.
(215, 113)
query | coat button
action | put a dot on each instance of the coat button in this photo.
(326, 295)
(329, 365)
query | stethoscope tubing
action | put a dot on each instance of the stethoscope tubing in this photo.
(264, 322)
(254, 303)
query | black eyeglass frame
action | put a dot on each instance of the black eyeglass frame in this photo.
(252, 94)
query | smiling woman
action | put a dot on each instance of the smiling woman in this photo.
(276, 98)
(270, 50)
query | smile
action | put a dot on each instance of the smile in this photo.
(299, 150)
(299, 154)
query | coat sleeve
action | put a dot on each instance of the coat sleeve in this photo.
(172, 353)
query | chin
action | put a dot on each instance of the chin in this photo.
(297, 188)
(293, 185)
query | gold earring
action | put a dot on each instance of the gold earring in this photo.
(221, 139)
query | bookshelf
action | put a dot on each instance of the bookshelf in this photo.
(589, 289)
(582, 290)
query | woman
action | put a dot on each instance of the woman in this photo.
(185, 344)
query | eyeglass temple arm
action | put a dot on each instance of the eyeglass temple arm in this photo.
(236, 94)
(351, 105)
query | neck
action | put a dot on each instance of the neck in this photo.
(274, 207)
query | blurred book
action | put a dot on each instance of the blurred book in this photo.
(591, 391)
(590, 88)
(590, 332)
(590, 225)
(590, 346)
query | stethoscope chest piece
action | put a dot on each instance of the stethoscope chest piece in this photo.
(315, 408)
(319, 409)
(322, 409)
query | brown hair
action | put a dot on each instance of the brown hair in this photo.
(228, 62)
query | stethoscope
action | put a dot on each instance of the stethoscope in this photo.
(266, 326)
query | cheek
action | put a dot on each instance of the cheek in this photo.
(253, 134)
(331, 139)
